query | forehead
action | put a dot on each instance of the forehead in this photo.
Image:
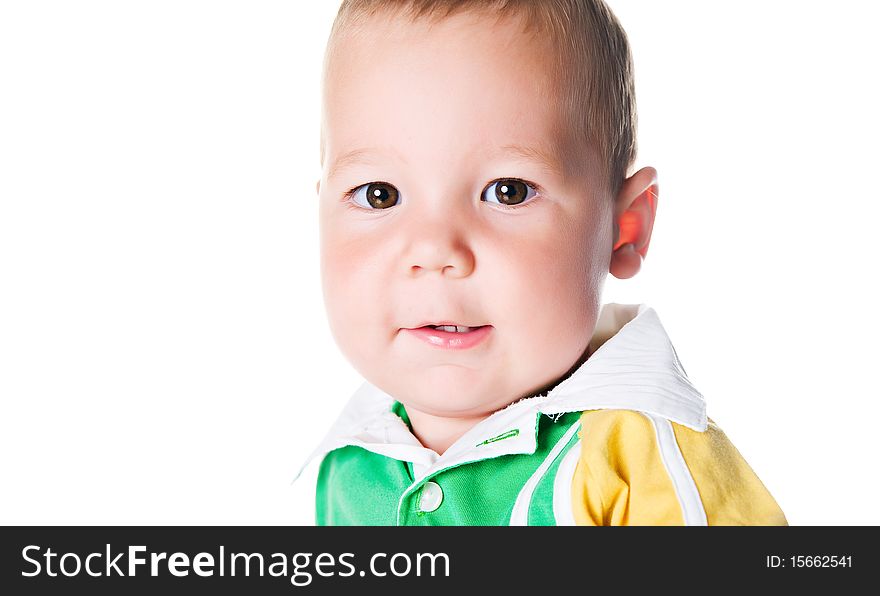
(459, 89)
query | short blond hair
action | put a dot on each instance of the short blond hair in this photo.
(591, 65)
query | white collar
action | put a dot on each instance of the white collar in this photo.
(632, 365)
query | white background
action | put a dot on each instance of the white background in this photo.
(164, 353)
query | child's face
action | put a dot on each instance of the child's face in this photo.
(432, 108)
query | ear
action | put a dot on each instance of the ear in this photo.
(634, 210)
(318, 186)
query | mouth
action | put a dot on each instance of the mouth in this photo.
(452, 327)
(451, 336)
(448, 325)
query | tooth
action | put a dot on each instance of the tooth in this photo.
(453, 328)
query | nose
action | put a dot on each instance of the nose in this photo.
(438, 248)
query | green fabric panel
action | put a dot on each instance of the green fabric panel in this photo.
(541, 507)
(358, 487)
(483, 493)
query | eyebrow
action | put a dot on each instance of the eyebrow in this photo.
(549, 160)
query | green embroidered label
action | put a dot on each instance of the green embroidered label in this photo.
(501, 437)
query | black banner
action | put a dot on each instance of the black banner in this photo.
(285, 560)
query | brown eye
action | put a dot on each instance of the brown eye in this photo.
(376, 195)
(508, 191)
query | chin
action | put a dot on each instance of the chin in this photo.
(451, 397)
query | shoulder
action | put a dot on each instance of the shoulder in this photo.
(625, 443)
(634, 422)
(351, 461)
(622, 477)
(617, 433)
(633, 433)
(615, 423)
(696, 476)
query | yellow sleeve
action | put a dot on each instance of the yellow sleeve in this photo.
(621, 477)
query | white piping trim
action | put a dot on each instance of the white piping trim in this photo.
(520, 514)
(692, 510)
(562, 486)
(403, 496)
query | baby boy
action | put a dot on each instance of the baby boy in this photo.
(476, 189)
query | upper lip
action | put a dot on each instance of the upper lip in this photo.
(438, 323)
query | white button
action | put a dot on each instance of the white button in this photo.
(431, 497)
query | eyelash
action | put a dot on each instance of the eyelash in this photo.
(346, 197)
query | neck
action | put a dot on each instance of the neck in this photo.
(552, 384)
(438, 433)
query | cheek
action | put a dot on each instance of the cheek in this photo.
(346, 275)
(345, 252)
(552, 287)
(560, 262)
(556, 282)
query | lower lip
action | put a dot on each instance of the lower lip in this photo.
(451, 340)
